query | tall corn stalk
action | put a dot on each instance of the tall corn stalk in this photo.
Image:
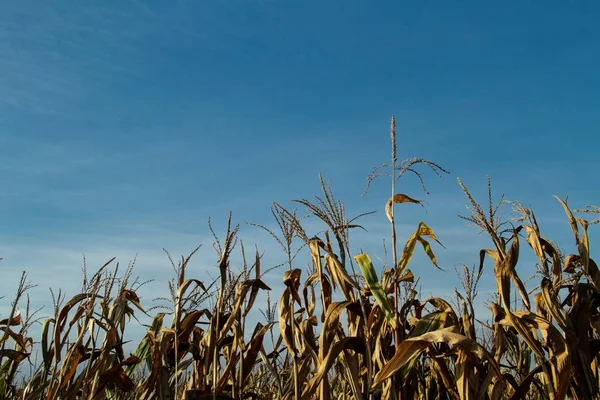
(371, 339)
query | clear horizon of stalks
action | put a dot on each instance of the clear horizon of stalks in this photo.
(339, 329)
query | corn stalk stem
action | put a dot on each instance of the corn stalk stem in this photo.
(217, 331)
(292, 323)
(394, 240)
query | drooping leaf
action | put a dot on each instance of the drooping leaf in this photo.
(398, 198)
(418, 236)
(412, 347)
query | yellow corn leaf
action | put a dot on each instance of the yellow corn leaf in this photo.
(428, 251)
(418, 236)
(349, 343)
(572, 220)
(412, 347)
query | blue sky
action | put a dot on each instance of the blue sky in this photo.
(124, 125)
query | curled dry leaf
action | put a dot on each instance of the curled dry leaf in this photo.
(413, 347)
(399, 198)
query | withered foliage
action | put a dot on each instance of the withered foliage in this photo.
(342, 327)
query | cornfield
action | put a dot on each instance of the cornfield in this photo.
(341, 328)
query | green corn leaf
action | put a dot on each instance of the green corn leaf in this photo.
(368, 271)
